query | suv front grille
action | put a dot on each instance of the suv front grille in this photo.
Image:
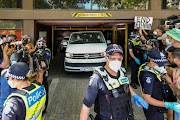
(87, 56)
(84, 64)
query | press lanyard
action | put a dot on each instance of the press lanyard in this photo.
(176, 78)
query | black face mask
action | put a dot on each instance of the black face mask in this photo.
(41, 47)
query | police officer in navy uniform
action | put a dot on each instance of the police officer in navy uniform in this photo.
(153, 87)
(46, 53)
(109, 90)
(136, 57)
(27, 102)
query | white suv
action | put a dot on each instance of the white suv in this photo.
(85, 51)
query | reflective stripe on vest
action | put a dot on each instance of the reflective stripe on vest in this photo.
(135, 42)
(112, 83)
(34, 101)
(150, 70)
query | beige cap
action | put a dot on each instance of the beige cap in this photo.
(163, 37)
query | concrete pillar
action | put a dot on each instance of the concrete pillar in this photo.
(156, 5)
(156, 23)
(28, 4)
(28, 27)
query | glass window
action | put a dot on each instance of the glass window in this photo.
(171, 4)
(86, 37)
(13, 27)
(10, 3)
(93, 4)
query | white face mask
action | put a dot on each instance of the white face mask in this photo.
(10, 82)
(13, 62)
(161, 69)
(155, 33)
(133, 38)
(115, 65)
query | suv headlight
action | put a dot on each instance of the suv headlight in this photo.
(103, 54)
(69, 55)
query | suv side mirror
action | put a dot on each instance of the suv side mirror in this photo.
(108, 42)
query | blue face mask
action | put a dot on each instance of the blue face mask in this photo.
(169, 43)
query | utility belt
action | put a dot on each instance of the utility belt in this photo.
(102, 118)
(153, 109)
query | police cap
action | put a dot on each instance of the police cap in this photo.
(159, 57)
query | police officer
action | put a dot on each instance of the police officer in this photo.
(28, 100)
(109, 90)
(43, 51)
(153, 87)
(136, 58)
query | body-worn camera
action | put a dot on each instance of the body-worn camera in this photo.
(42, 55)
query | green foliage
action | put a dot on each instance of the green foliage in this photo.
(121, 4)
(10, 3)
(102, 4)
(59, 4)
(41, 4)
(11, 24)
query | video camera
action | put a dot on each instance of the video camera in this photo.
(42, 55)
(152, 42)
(172, 21)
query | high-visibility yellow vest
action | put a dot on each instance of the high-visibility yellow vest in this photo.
(34, 101)
(112, 83)
(135, 43)
(150, 70)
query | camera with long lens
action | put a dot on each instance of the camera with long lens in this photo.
(152, 42)
(172, 21)
(24, 56)
(9, 39)
(42, 55)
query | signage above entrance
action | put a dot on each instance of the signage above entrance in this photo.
(91, 15)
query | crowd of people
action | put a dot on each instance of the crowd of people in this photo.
(24, 72)
(155, 68)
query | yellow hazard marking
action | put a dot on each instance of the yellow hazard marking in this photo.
(91, 15)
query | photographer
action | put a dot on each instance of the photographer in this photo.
(136, 57)
(158, 32)
(12, 47)
(5, 90)
(25, 40)
(148, 43)
(29, 51)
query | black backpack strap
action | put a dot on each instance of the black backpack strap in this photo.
(22, 92)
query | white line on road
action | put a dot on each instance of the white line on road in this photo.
(52, 88)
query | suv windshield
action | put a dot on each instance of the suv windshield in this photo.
(83, 38)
